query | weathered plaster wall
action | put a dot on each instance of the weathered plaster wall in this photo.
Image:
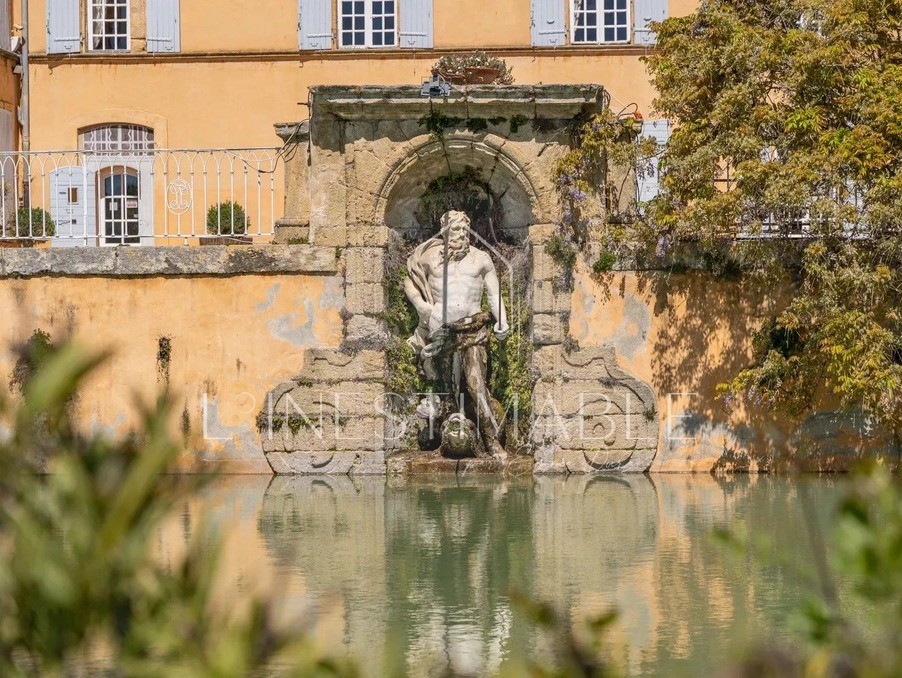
(231, 339)
(86, 91)
(686, 333)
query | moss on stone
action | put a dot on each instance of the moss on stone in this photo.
(516, 122)
(437, 122)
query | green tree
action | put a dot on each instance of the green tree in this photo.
(788, 125)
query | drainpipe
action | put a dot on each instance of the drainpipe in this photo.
(24, 104)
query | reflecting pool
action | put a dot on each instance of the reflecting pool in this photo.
(415, 576)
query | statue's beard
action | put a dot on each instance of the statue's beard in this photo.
(458, 248)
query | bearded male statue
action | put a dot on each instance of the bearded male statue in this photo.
(446, 281)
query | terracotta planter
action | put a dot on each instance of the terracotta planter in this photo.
(453, 78)
(481, 75)
(225, 240)
(472, 75)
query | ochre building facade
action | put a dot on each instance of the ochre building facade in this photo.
(208, 73)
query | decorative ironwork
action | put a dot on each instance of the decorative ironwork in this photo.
(181, 198)
(72, 198)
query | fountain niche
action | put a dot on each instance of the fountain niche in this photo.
(455, 354)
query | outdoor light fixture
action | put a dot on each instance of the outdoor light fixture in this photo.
(436, 86)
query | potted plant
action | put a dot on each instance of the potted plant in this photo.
(227, 223)
(477, 68)
(28, 227)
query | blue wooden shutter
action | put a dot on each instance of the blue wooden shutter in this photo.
(63, 27)
(416, 23)
(315, 24)
(163, 26)
(649, 185)
(644, 12)
(548, 27)
(73, 212)
(4, 25)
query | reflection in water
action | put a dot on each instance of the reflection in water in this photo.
(415, 575)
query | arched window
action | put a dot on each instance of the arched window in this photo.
(116, 139)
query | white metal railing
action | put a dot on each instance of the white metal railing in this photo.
(140, 197)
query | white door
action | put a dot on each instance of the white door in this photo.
(124, 196)
(73, 207)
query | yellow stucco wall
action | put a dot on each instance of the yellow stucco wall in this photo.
(236, 103)
(271, 25)
(684, 335)
(232, 339)
(240, 70)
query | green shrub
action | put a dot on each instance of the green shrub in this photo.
(227, 218)
(605, 262)
(30, 223)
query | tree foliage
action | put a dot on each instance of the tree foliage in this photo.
(788, 126)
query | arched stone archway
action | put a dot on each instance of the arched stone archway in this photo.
(507, 181)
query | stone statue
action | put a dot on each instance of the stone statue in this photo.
(447, 278)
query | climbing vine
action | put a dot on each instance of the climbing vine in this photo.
(404, 376)
(592, 180)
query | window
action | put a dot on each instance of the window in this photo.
(596, 21)
(108, 25)
(119, 196)
(367, 23)
(117, 139)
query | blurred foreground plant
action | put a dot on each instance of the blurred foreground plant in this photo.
(80, 590)
(578, 652)
(852, 624)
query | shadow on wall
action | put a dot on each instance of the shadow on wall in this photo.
(689, 332)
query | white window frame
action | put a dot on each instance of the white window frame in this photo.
(92, 5)
(367, 25)
(600, 25)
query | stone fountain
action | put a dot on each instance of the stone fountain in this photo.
(356, 173)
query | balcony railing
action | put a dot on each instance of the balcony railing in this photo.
(144, 197)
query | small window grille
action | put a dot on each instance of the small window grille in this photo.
(117, 139)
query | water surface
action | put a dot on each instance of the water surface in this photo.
(415, 576)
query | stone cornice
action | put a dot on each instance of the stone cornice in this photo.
(215, 260)
(216, 56)
(405, 102)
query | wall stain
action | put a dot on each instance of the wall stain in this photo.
(164, 359)
(333, 295)
(271, 295)
(286, 327)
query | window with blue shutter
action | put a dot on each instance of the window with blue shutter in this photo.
(649, 185)
(63, 27)
(315, 24)
(416, 24)
(644, 12)
(163, 33)
(548, 28)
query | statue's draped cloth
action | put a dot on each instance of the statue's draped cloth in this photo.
(459, 350)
